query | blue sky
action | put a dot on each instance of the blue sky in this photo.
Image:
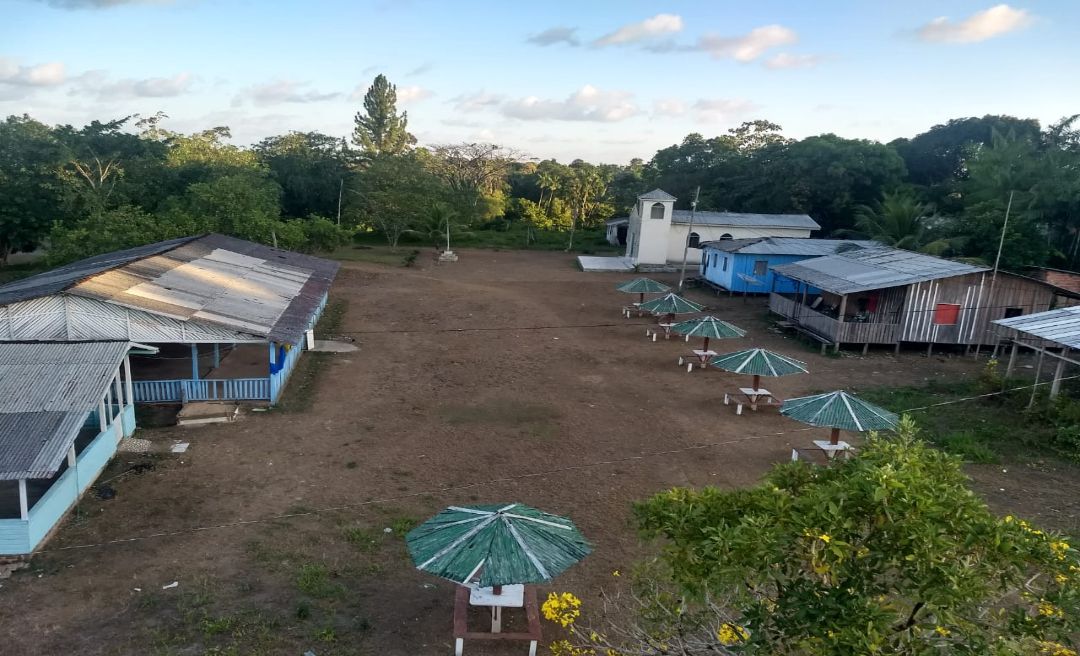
(605, 81)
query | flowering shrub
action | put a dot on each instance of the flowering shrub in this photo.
(562, 609)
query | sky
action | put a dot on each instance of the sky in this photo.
(599, 80)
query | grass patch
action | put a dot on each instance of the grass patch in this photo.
(982, 430)
(373, 254)
(361, 537)
(330, 321)
(300, 393)
(313, 579)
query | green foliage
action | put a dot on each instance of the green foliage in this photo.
(887, 552)
(379, 129)
(109, 230)
(322, 234)
(310, 167)
(313, 579)
(394, 194)
(29, 156)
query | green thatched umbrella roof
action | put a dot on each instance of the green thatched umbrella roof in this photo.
(839, 411)
(707, 327)
(643, 286)
(671, 304)
(496, 545)
(759, 362)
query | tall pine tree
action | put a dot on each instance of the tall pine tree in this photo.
(380, 130)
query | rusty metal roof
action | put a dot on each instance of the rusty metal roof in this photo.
(47, 391)
(864, 269)
(212, 279)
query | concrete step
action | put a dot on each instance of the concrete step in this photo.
(207, 412)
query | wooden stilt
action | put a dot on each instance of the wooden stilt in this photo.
(834, 437)
(865, 349)
(1012, 359)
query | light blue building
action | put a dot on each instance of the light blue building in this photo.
(229, 317)
(64, 408)
(745, 265)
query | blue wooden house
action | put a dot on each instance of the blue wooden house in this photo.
(745, 265)
(229, 317)
(64, 408)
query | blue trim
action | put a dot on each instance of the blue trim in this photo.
(195, 361)
(207, 389)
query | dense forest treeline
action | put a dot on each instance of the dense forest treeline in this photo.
(128, 181)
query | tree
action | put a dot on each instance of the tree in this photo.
(586, 191)
(29, 157)
(476, 174)
(888, 552)
(115, 229)
(898, 220)
(379, 129)
(394, 194)
(310, 167)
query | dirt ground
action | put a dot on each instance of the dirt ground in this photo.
(507, 376)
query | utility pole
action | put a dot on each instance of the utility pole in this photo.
(341, 189)
(689, 231)
(997, 262)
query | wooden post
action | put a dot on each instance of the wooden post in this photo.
(127, 380)
(705, 346)
(1012, 359)
(1055, 387)
(757, 381)
(930, 349)
(1038, 373)
(217, 355)
(896, 349)
(71, 456)
(834, 437)
(24, 506)
(840, 318)
(195, 362)
(865, 348)
(101, 415)
(119, 394)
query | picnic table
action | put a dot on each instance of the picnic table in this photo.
(831, 449)
(630, 309)
(701, 356)
(507, 596)
(652, 332)
(752, 398)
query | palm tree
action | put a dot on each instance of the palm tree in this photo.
(899, 220)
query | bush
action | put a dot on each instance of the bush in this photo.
(323, 235)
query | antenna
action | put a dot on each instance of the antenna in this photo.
(689, 231)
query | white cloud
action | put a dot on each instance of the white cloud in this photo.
(980, 26)
(669, 108)
(413, 94)
(421, 69)
(551, 36)
(475, 102)
(749, 46)
(788, 60)
(722, 109)
(650, 28)
(586, 104)
(98, 83)
(40, 75)
(283, 91)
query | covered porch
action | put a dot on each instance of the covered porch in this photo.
(30, 508)
(866, 318)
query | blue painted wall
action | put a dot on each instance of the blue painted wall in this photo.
(744, 263)
(18, 537)
(281, 369)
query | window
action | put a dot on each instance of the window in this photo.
(695, 239)
(760, 267)
(714, 259)
(725, 263)
(1013, 312)
(726, 235)
(946, 314)
(656, 211)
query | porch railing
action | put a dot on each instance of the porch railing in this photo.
(833, 329)
(211, 389)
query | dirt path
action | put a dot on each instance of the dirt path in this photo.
(479, 377)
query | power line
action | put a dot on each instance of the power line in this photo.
(504, 479)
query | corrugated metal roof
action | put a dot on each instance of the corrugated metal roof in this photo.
(656, 194)
(59, 279)
(744, 220)
(786, 245)
(47, 390)
(214, 279)
(1061, 326)
(873, 268)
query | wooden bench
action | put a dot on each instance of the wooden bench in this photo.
(753, 399)
(461, 624)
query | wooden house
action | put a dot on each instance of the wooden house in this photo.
(890, 296)
(64, 408)
(745, 265)
(229, 317)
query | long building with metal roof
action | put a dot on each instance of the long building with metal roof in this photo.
(209, 290)
(884, 295)
(64, 407)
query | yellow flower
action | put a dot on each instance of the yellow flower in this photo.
(562, 609)
(1060, 548)
(616, 574)
(862, 552)
(1055, 649)
(1047, 609)
(1008, 519)
(732, 634)
(825, 537)
(941, 631)
(1061, 578)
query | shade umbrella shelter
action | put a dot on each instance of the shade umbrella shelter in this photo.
(839, 411)
(665, 308)
(759, 362)
(708, 327)
(642, 286)
(495, 545)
